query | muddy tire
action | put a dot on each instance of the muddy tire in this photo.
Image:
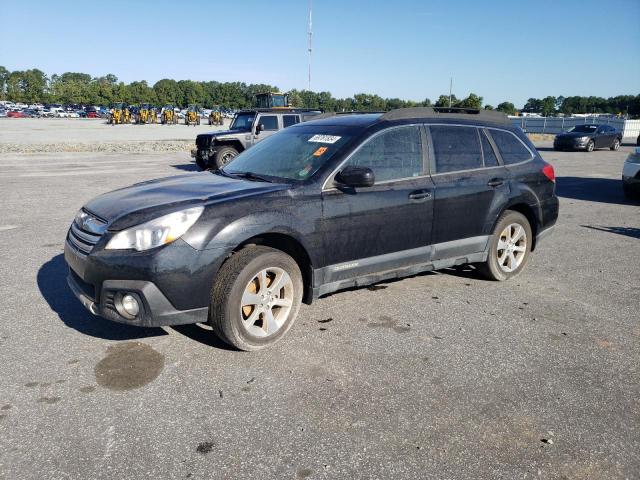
(224, 155)
(255, 298)
(509, 247)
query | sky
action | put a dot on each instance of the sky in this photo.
(500, 50)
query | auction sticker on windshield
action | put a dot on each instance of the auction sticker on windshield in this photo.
(324, 139)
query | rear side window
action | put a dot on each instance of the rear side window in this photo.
(288, 120)
(490, 159)
(456, 148)
(511, 149)
(392, 155)
(270, 122)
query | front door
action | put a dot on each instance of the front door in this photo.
(388, 225)
(469, 183)
(270, 124)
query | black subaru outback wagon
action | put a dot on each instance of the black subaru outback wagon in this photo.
(342, 201)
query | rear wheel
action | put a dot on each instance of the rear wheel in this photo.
(616, 144)
(255, 298)
(590, 146)
(224, 155)
(509, 247)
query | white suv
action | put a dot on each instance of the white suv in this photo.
(631, 175)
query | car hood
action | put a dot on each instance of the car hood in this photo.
(222, 133)
(144, 201)
(575, 134)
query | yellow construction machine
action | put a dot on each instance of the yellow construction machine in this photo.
(272, 100)
(192, 117)
(215, 117)
(168, 115)
(116, 113)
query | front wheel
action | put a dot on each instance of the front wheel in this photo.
(509, 247)
(616, 144)
(224, 155)
(590, 146)
(255, 298)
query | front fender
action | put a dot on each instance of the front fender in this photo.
(227, 236)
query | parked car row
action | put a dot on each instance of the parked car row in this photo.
(56, 110)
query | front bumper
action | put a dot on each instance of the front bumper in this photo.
(155, 309)
(172, 284)
(570, 144)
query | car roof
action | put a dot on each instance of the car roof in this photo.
(420, 114)
(350, 119)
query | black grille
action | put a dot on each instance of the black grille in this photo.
(203, 141)
(83, 239)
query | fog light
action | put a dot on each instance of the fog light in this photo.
(130, 305)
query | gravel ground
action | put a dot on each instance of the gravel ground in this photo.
(442, 375)
(41, 135)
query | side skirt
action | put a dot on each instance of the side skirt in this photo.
(389, 271)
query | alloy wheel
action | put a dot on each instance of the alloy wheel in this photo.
(512, 247)
(266, 302)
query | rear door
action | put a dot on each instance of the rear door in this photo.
(288, 120)
(470, 186)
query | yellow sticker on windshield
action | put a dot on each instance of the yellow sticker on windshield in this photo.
(320, 151)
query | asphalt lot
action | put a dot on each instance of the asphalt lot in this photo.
(442, 375)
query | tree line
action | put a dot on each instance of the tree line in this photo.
(34, 86)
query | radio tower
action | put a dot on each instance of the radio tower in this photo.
(310, 35)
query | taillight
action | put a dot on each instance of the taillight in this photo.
(549, 172)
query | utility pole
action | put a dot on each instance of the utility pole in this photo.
(310, 36)
(450, 89)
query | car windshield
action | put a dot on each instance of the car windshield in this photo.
(292, 154)
(584, 128)
(243, 121)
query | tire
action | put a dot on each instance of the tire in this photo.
(201, 164)
(238, 279)
(616, 144)
(224, 156)
(499, 267)
(590, 146)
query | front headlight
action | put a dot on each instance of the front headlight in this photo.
(583, 139)
(156, 232)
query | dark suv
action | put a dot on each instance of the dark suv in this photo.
(337, 202)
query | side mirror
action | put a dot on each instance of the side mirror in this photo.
(356, 177)
(259, 128)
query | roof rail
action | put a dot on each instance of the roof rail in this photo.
(349, 112)
(446, 112)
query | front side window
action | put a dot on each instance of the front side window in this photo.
(269, 122)
(288, 120)
(511, 149)
(393, 154)
(456, 148)
(583, 129)
(243, 121)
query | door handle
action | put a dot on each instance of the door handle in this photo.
(420, 195)
(495, 182)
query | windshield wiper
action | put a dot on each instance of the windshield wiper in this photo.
(250, 176)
